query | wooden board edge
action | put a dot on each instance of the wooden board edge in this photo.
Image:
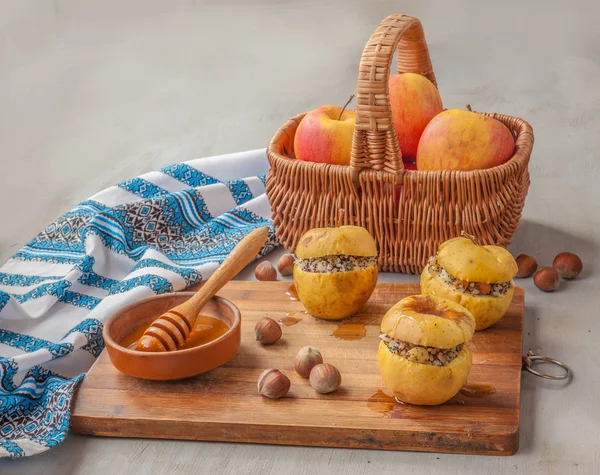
(520, 293)
(497, 444)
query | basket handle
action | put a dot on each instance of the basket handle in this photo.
(375, 145)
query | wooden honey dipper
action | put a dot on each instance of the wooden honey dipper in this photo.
(171, 329)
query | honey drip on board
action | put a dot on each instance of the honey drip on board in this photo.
(292, 293)
(206, 330)
(289, 320)
(477, 390)
(383, 403)
(353, 328)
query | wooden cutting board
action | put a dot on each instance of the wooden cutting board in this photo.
(223, 405)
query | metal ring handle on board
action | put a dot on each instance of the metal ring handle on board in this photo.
(530, 360)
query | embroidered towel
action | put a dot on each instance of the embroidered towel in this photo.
(160, 232)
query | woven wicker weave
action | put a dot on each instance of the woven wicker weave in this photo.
(434, 205)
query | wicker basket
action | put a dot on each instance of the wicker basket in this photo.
(434, 205)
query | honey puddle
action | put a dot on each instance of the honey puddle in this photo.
(353, 328)
(206, 330)
(383, 403)
(477, 390)
(292, 293)
(289, 320)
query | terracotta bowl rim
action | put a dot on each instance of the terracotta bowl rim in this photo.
(237, 319)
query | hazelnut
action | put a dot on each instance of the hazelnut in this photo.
(306, 359)
(265, 271)
(285, 265)
(546, 279)
(527, 265)
(267, 331)
(325, 378)
(273, 384)
(568, 265)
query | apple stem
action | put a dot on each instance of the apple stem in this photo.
(469, 236)
(469, 107)
(345, 105)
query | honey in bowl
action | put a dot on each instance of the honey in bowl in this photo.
(207, 329)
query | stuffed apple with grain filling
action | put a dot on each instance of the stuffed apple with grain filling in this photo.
(480, 278)
(335, 271)
(423, 354)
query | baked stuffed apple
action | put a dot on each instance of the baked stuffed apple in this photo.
(423, 354)
(335, 270)
(480, 278)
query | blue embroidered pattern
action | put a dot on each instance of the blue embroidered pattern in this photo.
(188, 175)
(30, 343)
(4, 299)
(29, 254)
(79, 300)
(191, 276)
(92, 329)
(18, 280)
(240, 191)
(158, 284)
(56, 289)
(94, 280)
(142, 188)
(12, 448)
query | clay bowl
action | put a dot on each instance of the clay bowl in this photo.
(176, 364)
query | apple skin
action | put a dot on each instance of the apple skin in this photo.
(458, 139)
(322, 138)
(414, 101)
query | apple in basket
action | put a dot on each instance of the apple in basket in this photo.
(414, 101)
(410, 165)
(325, 135)
(458, 139)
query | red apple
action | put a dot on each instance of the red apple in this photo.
(415, 101)
(325, 137)
(458, 139)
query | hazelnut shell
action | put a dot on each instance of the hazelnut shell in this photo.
(285, 265)
(273, 384)
(325, 378)
(267, 331)
(265, 271)
(567, 265)
(306, 359)
(546, 279)
(527, 265)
